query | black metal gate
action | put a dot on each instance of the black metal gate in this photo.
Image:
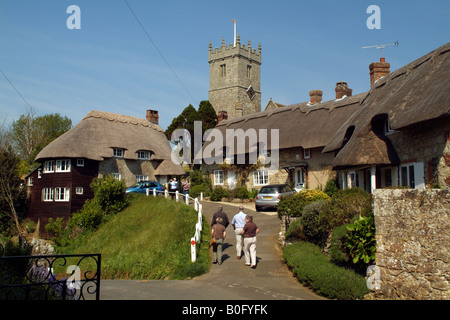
(50, 277)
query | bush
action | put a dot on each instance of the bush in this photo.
(312, 228)
(294, 205)
(195, 191)
(338, 252)
(295, 231)
(361, 242)
(218, 193)
(313, 268)
(343, 206)
(240, 193)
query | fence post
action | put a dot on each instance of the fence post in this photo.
(196, 204)
(176, 196)
(154, 192)
(166, 193)
(147, 191)
(187, 199)
(193, 252)
(201, 196)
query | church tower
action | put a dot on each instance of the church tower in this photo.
(235, 79)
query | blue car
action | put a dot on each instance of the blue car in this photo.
(142, 187)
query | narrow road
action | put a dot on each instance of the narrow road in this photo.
(270, 280)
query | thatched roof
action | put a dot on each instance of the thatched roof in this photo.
(415, 93)
(99, 132)
(299, 125)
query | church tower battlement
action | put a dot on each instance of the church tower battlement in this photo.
(235, 78)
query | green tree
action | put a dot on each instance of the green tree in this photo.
(30, 134)
(12, 195)
(207, 115)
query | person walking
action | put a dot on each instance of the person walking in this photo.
(218, 233)
(173, 186)
(249, 233)
(220, 214)
(238, 223)
(186, 188)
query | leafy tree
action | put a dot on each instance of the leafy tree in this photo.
(12, 195)
(207, 114)
(30, 134)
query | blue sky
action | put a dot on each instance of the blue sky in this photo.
(111, 65)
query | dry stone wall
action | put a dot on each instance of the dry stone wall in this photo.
(413, 240)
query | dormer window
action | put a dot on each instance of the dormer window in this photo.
(144, 155)
(118, 153)
(306, 153)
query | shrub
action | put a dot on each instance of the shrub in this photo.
(331, 188)
(253, 193)
(195, 191)
(295, 231)
(343, 206)
(218, 193)
(313, 268)
(361, 242)
(312, 228)
(338, 252)
(240, 193)
(294, 205)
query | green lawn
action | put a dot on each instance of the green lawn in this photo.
(148, 240)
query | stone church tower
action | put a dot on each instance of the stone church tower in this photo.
(235, 79)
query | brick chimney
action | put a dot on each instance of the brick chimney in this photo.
(223, 115)
(378, 70)
(152, 116)
(342, 89)
(315, 96)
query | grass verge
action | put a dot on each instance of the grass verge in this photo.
(150, 239)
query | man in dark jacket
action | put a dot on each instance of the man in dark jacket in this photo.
(222, 215)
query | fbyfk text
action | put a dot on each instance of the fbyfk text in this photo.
(235, 144)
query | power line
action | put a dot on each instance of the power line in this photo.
(159, 52)
(16, 90)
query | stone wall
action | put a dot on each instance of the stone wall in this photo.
(413, 240)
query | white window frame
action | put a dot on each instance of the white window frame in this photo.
(80, 162)
(144, 155)
(218, 177)
(140, 177)
(79, 190)
(62, 194)
(49, 166)
(47, 194)
(307, 153)
(261, 178)
(116, 175)
(118, 152)
(30, 181)
(63, 165)
(39, 174)
(417, 173)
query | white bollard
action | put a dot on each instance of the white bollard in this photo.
(193, 250)
(201, 196)
(176, 196)
(154, 192)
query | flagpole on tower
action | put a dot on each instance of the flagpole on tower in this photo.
(234, 42)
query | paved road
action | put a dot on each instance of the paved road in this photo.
(270, 280)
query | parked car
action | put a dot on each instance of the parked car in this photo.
(142, 187)
(269, 196)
